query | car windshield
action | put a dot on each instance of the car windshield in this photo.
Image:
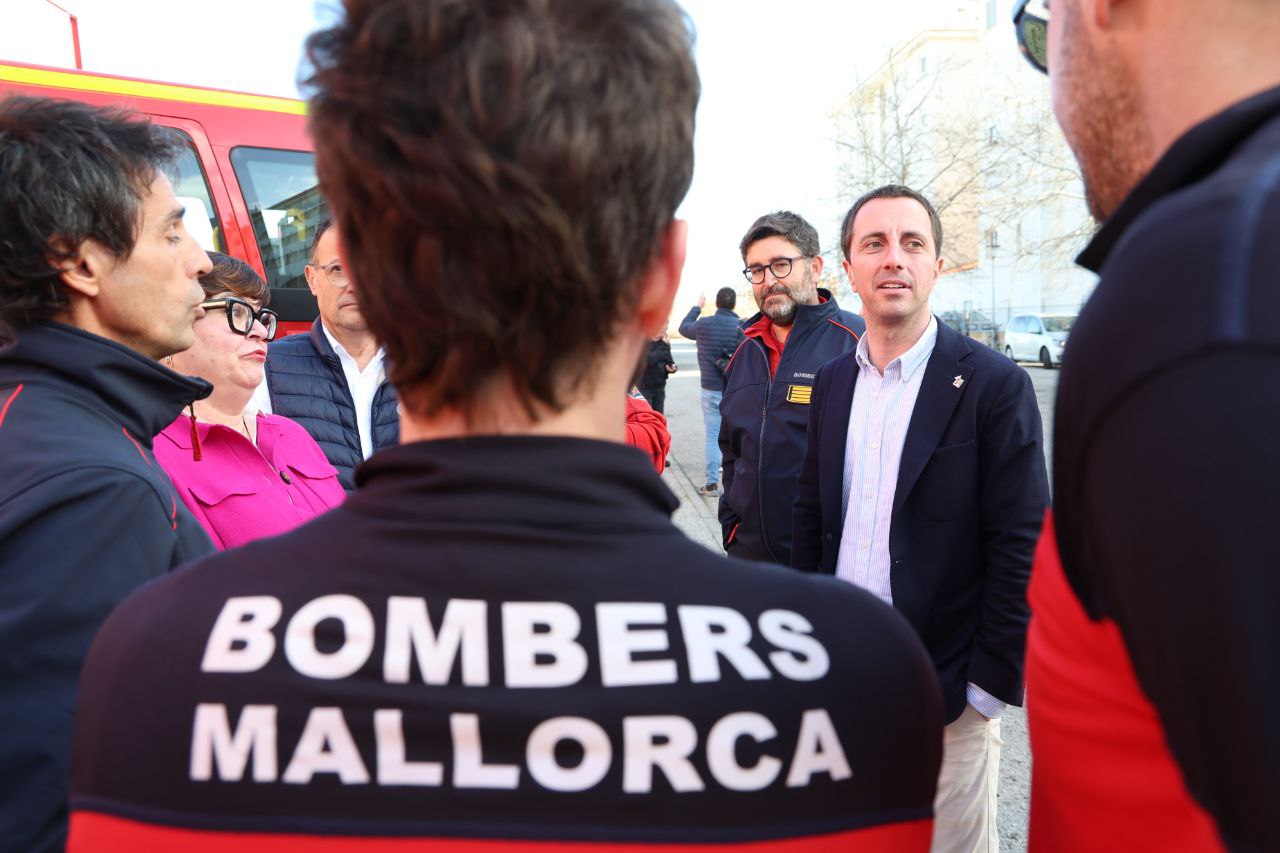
(1058, 324)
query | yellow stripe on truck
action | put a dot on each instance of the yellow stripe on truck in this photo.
(141, 89)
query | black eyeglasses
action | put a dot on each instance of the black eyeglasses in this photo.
(1032, 27)
(241, 315)
(780, 267)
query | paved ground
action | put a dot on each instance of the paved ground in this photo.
(697, 518)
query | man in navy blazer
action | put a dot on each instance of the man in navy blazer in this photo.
(924, 482)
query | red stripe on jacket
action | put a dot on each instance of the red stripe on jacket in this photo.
(1103, 777)
(9, 402)
(843, 326)
(136, 446)
(91, 831)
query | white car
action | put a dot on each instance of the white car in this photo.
(1038, 337)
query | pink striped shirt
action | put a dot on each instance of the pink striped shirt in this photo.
(878, 421)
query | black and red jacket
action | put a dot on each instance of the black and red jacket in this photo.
(503, 643)
(764, 421)
(1154, 650)
(87, 516)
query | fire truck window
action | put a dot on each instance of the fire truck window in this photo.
(285, 207)
(192, 190)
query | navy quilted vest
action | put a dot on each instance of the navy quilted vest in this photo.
(307, 385)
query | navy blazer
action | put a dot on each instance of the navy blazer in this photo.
(971, 494)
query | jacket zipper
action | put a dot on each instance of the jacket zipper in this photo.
(764, 423)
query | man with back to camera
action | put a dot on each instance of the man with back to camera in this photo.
(500, 638)
(1154, 590)
(924, 483)
(765, 410)
(98, 281)
(333, 380)
(718, 337)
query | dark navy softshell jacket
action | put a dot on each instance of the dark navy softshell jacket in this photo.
(86, 517)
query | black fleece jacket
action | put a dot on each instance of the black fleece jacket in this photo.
(86, 517)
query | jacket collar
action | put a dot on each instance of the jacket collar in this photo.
(144, 395)
(911, 360)
(519, 481)
(320, 341)
(1194, 156)
(806, 315)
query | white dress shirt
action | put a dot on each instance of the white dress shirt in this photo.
(878, 421)
(363, 385)
(879, 417)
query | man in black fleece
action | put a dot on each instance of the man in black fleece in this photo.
(501, 637)
(97, 282)
(658, 365)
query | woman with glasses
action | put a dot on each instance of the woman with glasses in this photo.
(243, 474)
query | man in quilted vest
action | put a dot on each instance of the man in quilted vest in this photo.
(332, 380)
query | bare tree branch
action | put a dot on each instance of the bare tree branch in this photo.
(985, 151)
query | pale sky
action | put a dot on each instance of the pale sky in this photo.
(771, 72)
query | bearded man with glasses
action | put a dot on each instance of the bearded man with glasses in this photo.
(332, 380)
(765, 409)
(1155, 641)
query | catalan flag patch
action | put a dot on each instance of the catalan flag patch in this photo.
(799, 394)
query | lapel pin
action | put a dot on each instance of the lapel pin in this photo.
(958, 381)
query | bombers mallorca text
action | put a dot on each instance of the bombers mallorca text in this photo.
(540, 649)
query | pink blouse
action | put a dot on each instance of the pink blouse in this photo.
(240, 492)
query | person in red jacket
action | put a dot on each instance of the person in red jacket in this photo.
(647, 430)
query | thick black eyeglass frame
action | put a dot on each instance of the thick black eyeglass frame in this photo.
(259, 315)
(1033, 35)
(750, 272)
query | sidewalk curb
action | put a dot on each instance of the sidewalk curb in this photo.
(696, 515)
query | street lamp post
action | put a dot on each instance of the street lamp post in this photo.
(993, 243)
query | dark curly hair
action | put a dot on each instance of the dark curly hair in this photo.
(501, 171)
(69, 172)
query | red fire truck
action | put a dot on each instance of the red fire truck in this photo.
(247, 178)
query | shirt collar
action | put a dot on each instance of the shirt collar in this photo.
(1194, 156)
(763, 329)
(341, 352)
(911, 360)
